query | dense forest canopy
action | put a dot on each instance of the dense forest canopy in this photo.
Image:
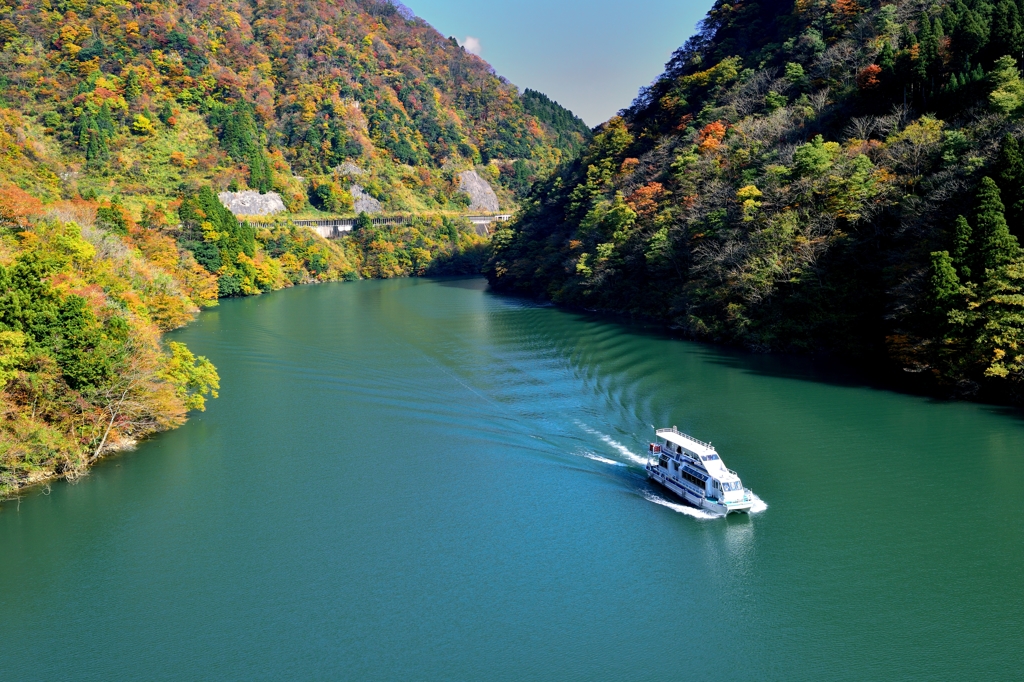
(136, 97)
(818, 175)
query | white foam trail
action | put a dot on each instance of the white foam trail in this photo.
(759, 505)
(603, 460)
(623, 450)
(681, 508)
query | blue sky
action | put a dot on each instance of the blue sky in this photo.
(591, 57)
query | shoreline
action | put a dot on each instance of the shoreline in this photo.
(39, 479)
(889, 377)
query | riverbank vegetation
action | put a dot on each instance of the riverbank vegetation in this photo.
(795, 181)
(82, 368)
(87, 291)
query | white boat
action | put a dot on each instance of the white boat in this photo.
(695, 472)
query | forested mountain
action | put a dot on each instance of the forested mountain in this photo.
(818, 175)
(138, 97)
(120, 122)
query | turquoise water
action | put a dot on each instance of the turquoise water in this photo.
(420, 480)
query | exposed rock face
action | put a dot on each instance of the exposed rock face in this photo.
(364, 203)
(252, 202)
(480, 193)
(349, 168)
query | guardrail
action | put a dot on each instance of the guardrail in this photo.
(686, 436)
(331, 228)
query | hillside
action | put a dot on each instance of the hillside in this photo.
(136, 99)
(813, 177)
(120, 123)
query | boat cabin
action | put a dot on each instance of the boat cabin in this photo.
(696, 466)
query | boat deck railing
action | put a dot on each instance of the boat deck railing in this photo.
(686, 436)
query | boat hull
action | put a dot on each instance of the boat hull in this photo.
(698, 501)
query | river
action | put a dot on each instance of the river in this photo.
(422, 480)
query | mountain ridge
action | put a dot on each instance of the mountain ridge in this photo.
(285, 89)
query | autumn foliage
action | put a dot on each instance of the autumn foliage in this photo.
(710, 137)
(822, 176)
(868, 77)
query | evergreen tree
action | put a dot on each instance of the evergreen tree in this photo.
(94, 133)
(166, 113)
(132, 87)
(945, 285)
(260, 176)
(105, 121)
(1007, 36)
(83, 125)
(928, 52)
(962, 248)
(363, 223)
(950, 18)
(887, 59)
(339, 141)
(239, 136)
(1000, 337)
(996, 246)
(112, 218)
(1010, 178)
(97, 151)
(971, 35)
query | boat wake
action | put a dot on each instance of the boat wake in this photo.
(603, 460)
(622, 449)
(759, 505)
(681, 508)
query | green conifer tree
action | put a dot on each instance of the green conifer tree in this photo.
(260, 176)
(132, 86)
(1000, 338)
(962, 248)
(105, 121)
(924, 35)
(996, 246)
(1010, 178)
(97, 152)
(83, 125)
(928, 52)
(166, 113)
(363, 223)
(945, 285)
(1007, 36)
(887, 58)
(971, 35)
(950, 18)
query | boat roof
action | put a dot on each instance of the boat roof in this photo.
(715, 466)
(690, 443)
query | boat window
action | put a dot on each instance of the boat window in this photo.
(687, 476)
(711, 458)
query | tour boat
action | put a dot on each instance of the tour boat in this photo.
(693, 470)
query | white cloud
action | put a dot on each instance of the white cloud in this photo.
(472, 45)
